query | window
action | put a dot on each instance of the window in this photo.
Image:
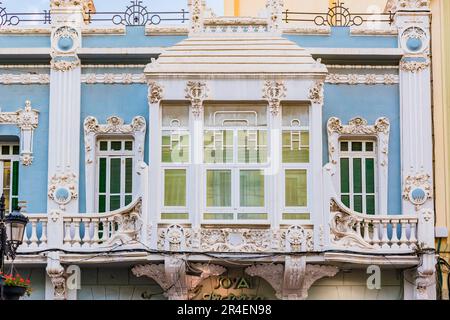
(357, 175)
(235, 149)
(9, 177)
(115, 167)
(295, 158)
(175, 156)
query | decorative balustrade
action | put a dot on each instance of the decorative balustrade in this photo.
(120, 227)
(234, 25)
(354, 231)
(35, 237)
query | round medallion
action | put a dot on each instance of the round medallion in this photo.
(62, 195)
(418, 196)
(414, 44)
(65, 43)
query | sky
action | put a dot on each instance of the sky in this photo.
(109, 5)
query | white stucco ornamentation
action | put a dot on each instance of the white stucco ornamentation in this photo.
(414, 66)
(197, 92)
(129, 224)
(56, 273)
(65, 65)
(413, 5)
(28, 78)
(418, 189)
(274, 92)
(27, 119)
(155, 92)
(113, 78)
(368, 79)
(196, 9)
(293, 280)
(63, 188)
(275, 11)
(316, 93)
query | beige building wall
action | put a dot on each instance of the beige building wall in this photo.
(441, 111)
(256, 7)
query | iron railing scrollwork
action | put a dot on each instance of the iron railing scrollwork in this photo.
(137, 14)
(15, 18)
(338, 16)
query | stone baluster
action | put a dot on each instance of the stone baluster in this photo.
(87, 233)
(394, 238)
(384, 234)
(33, 239)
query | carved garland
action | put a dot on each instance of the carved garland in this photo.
(155, 92)
(418, 189)
(414, 66)
(274, 92)
(27, 120)
(63, 188)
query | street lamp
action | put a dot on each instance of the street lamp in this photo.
(12, 229)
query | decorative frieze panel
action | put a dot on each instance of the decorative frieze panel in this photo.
(27, 78)
(368, 79)
(27, 120)
(113, 78)
(179, 238)
(274, 92)
(414, 65)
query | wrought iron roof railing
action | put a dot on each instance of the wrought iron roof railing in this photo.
(135, 14)
(338, 16)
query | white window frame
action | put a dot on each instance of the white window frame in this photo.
(109, 155)
(358, 128)
(235, 167)
(115, 128)
(359, 155)
(12, 158)
(297, 166)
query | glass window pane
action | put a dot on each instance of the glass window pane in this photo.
(218, 146)
(114, 176)
(369, 146)
(114, 203)
(295, 116)
(252, 216)
(370, 204)
(345, 181)
(129, 145)
(251, 188)
(357, 146)
(370, 175)
(175, 147)
(5, 150)
(103, 145)
(344, 146)
(218, 216)
(175, 188)
(218, 188)
(296, 216)
(16, 150)
(296, 188)
(175, 116)
(346, 200)
(295, 146)
(101, 203)
(174, 216)
(15, 184)
(129, 175)
(102, 175)
(116, 145)
(128, 199)
(235, 115)
(252, 146)
(357, 204)
(357, 176)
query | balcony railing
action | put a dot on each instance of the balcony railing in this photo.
(338, 16)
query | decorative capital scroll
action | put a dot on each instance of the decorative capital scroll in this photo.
(155, 92)
(358, 126)
(197, 92)
(316, 93)
(114, 124)
(274, 92)
(27, 119)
